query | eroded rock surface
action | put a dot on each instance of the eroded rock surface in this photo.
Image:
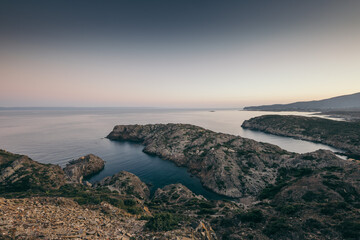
(77, 170)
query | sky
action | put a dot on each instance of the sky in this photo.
(178, 53)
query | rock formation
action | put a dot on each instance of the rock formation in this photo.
(126, 183)
(77, 170)
(175, 193)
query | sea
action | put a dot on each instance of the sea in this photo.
(58, 135)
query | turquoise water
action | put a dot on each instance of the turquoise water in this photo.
(60, 135)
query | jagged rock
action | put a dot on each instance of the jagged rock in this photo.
(126, 183)
(77, 170)
(20, 173)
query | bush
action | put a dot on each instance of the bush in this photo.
(310, 196)
(271, 190)
(276, 225)
(350, 229)
(254, 216)
(289, 208)
(163, 222)
(332, 208)
(312, 223)
(129, 202)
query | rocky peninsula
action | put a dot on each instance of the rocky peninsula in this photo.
(339, 134)
(229, 165)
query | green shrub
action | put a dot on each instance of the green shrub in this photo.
(313, 224)
(289, 209)
(350, 229)
(254, 216)
(163, 222)
(310, 196)
(129, 202)
(276, 226)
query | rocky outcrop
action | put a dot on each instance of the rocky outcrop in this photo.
(339, 134)
(125, 183)
(77, 170)
(175, 194)
(19, 173)
(229, 165)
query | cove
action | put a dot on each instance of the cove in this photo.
(152, 170)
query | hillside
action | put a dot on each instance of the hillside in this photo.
(345, 102)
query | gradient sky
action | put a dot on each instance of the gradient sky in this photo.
(177, 53)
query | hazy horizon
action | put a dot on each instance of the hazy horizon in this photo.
(177, 54)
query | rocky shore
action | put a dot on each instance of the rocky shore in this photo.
(283, 195)
(339, 134)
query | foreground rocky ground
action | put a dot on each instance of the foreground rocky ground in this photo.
(339, 134)
(63, 218)
(279, 195)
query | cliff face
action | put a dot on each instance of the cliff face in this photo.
(229, 165)
(83, 167)
(339, 134)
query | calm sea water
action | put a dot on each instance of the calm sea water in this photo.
(60, 135)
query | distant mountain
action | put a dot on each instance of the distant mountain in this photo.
(345, 102)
